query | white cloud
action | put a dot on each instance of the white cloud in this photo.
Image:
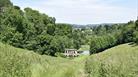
(85, 11)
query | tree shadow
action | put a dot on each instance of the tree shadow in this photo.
(133, 44)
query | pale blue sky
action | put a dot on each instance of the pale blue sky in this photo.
(85, 11)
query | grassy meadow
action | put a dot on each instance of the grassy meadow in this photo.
(119, 61)
(15, 62)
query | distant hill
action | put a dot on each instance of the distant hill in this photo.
(92, 25)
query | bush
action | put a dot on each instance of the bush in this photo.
(101, 43)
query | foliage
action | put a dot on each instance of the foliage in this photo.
(135, 34)
(113, 35)
(32, 30)
(101, 43)
(5, 3)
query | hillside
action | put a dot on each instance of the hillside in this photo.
(15, 62)
(119, 61)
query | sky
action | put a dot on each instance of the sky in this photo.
(85, 11)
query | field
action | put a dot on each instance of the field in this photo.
(120, 61)
(15, 62)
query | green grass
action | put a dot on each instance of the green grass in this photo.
(119, 61)
(15, 62)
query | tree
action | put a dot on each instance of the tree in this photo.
(100, 43)
(4, 3)
(136, 25)
(93, 47)
(135, 34)
(51, 29)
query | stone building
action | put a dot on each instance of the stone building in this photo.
(71, 53)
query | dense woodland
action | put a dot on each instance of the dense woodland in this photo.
(32, 30)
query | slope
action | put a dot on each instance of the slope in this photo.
(119, 61)
(15, 62)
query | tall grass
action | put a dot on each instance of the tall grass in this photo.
(15, 62)
(120, 61)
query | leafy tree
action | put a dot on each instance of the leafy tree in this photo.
(136, 25)
(100, 43)
(135, 34)
(5, 3)
(51, 29)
